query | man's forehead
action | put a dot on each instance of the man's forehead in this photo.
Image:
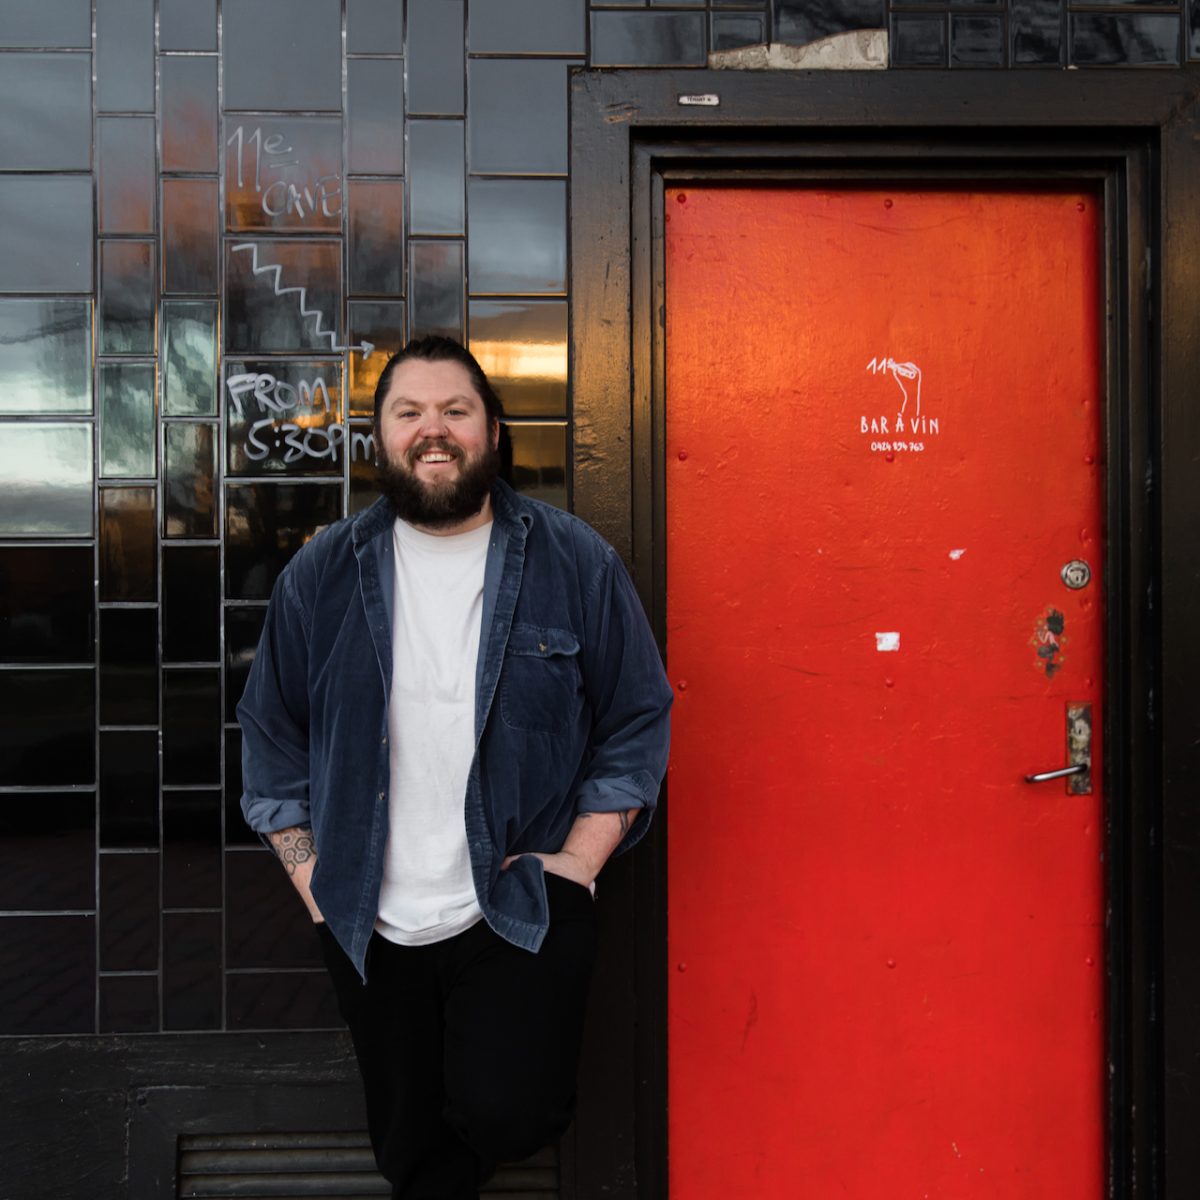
(419, 379)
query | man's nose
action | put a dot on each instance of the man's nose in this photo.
(433, 425)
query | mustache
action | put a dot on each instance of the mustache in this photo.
(439, 444)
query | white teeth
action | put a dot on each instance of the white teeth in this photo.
(435, 458)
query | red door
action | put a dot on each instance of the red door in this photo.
(883, 449)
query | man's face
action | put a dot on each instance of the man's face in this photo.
(436, 447)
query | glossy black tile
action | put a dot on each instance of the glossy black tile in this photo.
(127, 428)
(191, 733)
(189, 240)
(189, 112)
(126, 310)
(539, 461)
(375, 116)
(647, 39)
(45, 356)
(47, 473)
(307, 77)
(1125, 39)
(801, 21)
(1036, 32)
(522, 346)
(45, 233)
(48, 851)
(47, 974)
(129, 788)
(47, 103)
(128, 540)
(518, 116)
(728, 31)
(918, 41)
(129, 1004)
(189, 358)
(282, 1000)
(529, 27)
(191, 604)
(191, 849)
(364, 490)
(1193, 30)
(126, 180)
(436, 53)
(237, 832)
(374, 27)
(125, 56)
(67, 24)
(46, 720)
(46, 604)
(191, 977)
(381, 323)
(187, 24)
(518, 235)
(257, 320)
(376, 237)
(189, 487)
(976, 41)
(437, 177)
(129, 666)
(242, 629)
(435, 289)
(265, 524)
(129, 912)
(267, 924)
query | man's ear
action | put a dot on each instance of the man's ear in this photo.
(495, 433)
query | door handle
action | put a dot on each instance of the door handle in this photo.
(1079, 753)
(1061, 773)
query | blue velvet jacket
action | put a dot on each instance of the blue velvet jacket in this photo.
(571, 710)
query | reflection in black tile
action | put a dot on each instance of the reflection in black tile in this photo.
(46, 603)
(382, 324)
(126, 310)
(1036, 27)
(267, 924)
(282, 1000)
(435, 289)
(1127, 39)
(125, 186)
(376, 223)
(189, 507)
(125, 56)
(1193, 30)
(528, 27)
(192, 849)
(259, 320)
(189, 355)
(191, 733)
(539, 461)
(308, 76)
(187, 24)
(126, 420)
(731, 30)
(46, 356)
(47, 103)
(518, 234)
(46, 720)
(644, 39)
(129, 912)
(918, 41)
(237, 832)
(375, 116)
(45, 233)
(36, 23)
(189, 238)
(976, 41)
(801, 21)
(128, 666)
(129, 788)
(129, 1004)
(374, 27)
(189, 112)
(364, 490)
(242, 629)
(48, 851)
(47, 473)
(191, 603)
(435, 57)
(436, 176)
(265, 524)
(522, 347)
(47, 974)
(518, 116)
(128, 540)
(191, 970)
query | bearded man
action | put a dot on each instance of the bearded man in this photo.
(456, 714)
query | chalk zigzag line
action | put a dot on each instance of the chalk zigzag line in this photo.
(331, 334)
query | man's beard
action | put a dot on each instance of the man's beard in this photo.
(436, 506)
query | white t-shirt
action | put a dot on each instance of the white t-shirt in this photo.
(428, 893)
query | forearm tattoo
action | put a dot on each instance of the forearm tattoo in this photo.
(293, 847)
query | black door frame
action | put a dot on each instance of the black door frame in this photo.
(1132, 136)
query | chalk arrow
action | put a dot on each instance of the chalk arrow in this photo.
(364, 348)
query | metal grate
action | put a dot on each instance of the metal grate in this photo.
(320, 1166)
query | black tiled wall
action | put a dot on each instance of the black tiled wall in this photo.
(171, 429)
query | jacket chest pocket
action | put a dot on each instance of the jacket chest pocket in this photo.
(540, 684)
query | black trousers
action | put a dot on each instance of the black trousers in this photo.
(468, 1047)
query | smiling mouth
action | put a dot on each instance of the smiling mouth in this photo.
(435, 456)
